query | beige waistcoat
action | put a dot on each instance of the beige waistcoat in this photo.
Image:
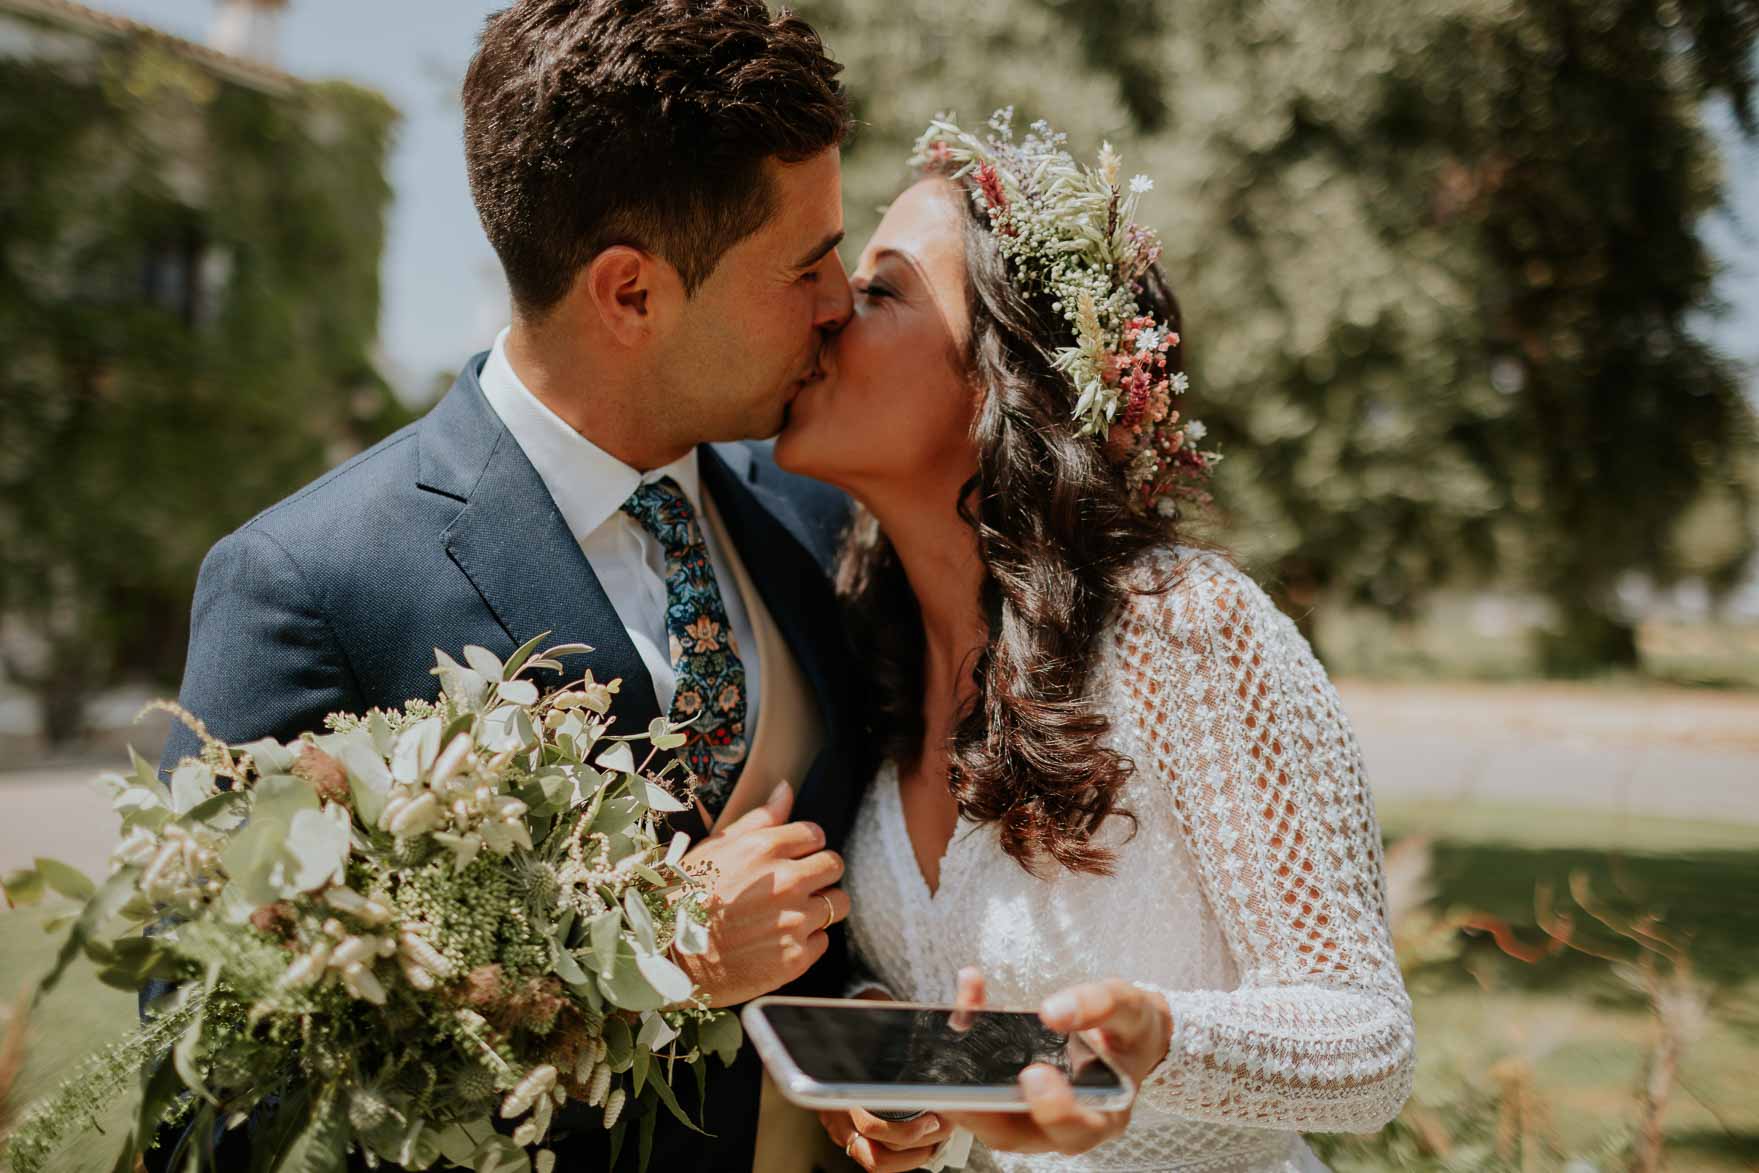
(788, 736)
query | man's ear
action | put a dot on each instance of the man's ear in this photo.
(633, 292)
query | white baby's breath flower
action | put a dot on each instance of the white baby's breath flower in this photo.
(1139, 184)
(1148, 339)
(1195, 431)
(1181, 383)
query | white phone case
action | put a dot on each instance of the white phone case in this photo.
(802, 1089)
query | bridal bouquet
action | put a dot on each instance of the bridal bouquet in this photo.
(414, 935)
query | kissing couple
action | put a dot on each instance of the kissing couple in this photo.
(970, 717)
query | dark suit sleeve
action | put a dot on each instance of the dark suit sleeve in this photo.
(263, 660)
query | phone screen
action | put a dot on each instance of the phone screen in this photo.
(875, 1043)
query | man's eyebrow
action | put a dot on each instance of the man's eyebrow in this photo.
(824, 247)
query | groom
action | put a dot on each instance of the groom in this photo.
(661, 183)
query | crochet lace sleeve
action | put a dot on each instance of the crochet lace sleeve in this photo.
(1265, 778)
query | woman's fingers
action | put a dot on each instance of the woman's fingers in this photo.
(970, 997)
(1089, 1005)
(898, 1134)
(1051, 1103)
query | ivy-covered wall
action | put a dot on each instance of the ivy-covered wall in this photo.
(189, 301)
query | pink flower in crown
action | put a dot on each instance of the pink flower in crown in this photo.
(989, 181)
(704, 633)
(1136, 401)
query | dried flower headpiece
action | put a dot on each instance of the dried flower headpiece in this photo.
(1069, 232)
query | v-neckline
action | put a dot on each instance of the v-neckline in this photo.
(892, 787)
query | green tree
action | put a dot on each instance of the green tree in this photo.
(188, 304)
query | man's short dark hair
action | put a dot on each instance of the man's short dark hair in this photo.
(593, 123)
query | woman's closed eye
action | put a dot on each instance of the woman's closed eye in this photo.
(875, 290)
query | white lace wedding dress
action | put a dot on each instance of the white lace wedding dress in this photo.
(1251, 894)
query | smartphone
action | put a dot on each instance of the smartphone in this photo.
(899, 1058)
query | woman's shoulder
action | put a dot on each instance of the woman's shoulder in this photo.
(1188, 590)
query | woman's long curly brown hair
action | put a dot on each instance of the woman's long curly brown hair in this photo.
(1060, 547)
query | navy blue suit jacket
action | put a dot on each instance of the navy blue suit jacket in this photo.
(443, 535)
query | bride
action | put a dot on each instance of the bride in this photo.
(1119, 787)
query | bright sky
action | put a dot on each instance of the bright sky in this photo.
(443, 296)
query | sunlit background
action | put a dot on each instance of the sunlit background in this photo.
(1471, 297)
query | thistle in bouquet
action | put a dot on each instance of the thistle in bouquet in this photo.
(413, 935)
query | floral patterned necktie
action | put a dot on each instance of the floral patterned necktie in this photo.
(711, 678)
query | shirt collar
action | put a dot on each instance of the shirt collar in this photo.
(588, 484)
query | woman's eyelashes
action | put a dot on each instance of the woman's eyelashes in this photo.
(875, 290)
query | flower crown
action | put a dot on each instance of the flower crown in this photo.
(1069, 232)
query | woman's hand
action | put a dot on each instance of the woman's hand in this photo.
(885, 1145)
(1130, 1026)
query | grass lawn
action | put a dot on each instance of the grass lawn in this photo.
(1582, 1032)
(79, 1017)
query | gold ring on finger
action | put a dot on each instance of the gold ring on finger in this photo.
(830, 915)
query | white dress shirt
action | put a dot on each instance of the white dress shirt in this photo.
(589, 486)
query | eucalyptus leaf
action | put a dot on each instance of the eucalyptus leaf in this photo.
(675, 850)
(618, 759)
(24, 887)
(569, 969)
(378, 727)
(561, 650)
(65, 879)
(655, 1031)
(642, 1060)
(658, 797)
(663, 974)
(626, 988)
(519, 692)
(224, 812)
(250, 860)
(281, 796)
(641, 921)
(415, 750)
(318, 843)
(689, 936)
(500, 731)
(619, 1044)
(142, 806)
(604, 931)
(190, 784)
(615, 815)
(721, 1036)
(369, 779)
(483, 662)
(270, 756)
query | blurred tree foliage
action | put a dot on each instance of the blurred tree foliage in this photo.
(188, 307)
(1440, 263)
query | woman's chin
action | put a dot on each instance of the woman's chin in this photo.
(800, 446)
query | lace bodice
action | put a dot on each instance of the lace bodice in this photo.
(1250, 894)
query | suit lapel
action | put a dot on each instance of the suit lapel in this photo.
(794, 590)
(511, 542)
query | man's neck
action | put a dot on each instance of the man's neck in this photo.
(596, 394)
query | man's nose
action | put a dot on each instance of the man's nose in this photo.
(835, 302)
